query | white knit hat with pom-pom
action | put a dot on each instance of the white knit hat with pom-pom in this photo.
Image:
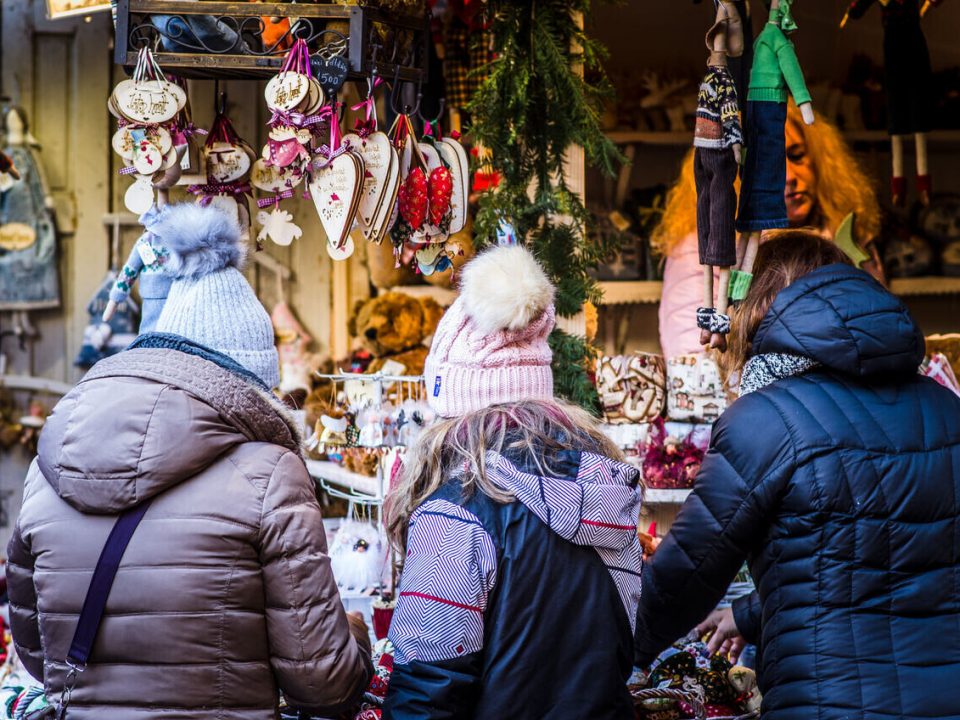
(491, 345)
(210, 301)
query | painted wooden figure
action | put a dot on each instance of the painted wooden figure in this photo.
(718, 142)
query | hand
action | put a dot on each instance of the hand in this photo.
(738, 153)
(109, 310)
(724, 636)
(360, 631)
(806, 110)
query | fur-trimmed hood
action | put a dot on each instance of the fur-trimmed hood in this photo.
(201, 239)
(147, 419)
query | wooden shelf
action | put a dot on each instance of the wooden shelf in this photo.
(653, 496)
(339, 475)
(641, 137)
(631, 292)
(931, 285)
(639, 292)
(685, 138)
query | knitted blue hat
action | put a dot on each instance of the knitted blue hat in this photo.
(210, 301)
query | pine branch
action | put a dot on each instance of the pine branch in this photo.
(533, 105)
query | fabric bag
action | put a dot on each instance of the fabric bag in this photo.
(694, 389)
(632, 388)
(92, 612)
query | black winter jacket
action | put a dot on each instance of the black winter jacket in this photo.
(841, 487)
(523, 610)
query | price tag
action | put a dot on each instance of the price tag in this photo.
(147, 254)
(331, 73)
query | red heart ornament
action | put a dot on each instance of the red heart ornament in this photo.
(440, 193)
(413, 198)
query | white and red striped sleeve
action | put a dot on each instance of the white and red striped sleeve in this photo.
(448, 575)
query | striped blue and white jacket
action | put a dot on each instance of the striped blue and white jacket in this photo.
(522, 610)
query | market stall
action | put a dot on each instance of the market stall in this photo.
(369, 150)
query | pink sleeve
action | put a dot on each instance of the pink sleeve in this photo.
(682, 295)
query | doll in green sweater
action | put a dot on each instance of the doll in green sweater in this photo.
(775, 76)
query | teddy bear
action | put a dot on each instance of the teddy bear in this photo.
(394, 327)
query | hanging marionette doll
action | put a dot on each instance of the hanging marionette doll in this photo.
(717, 148)
(908, 80)
(775, 75)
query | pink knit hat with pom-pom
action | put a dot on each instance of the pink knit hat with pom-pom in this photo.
(491, 345)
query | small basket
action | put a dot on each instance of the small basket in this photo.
(699, 711)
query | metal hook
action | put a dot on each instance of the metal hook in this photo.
(436, 119)
(395, 94)
(219, 99)
(372, 79)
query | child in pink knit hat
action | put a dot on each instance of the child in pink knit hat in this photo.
(516, 521)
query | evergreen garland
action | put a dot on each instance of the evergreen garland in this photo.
(533, 105)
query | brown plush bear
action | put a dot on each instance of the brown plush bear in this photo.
(393, 327)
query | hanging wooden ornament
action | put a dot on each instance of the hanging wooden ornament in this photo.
(336, 186)
(295, 98)
(139, 197)
(227, 162)
(413, 198)
(278, 226)
(148, 98)
(386, 214)
(458, 163)
(146, 107)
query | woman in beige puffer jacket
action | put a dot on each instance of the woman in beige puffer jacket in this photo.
(225, 594)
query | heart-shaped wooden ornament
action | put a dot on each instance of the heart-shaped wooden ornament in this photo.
(335, 190)
(386, 214)
(460, 170)
(374, 150)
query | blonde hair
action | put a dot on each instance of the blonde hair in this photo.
(842, 188)
(537, 428)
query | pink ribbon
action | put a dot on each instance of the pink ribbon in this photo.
(369, 125)
(328, 155)
(128, 170)
(222, 131)
(275, 200)
(208, 191)
(298, 59)
(282, 117)
(182, 135)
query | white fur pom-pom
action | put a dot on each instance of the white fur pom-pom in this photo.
(505, 288)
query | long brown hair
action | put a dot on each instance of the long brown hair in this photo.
(786, 257)
(842, 188)
(459, 446)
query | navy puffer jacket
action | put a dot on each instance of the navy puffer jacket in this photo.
(841, 486)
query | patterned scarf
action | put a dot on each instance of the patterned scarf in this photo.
(761, 370)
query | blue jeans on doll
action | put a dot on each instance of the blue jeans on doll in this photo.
(764, 174)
